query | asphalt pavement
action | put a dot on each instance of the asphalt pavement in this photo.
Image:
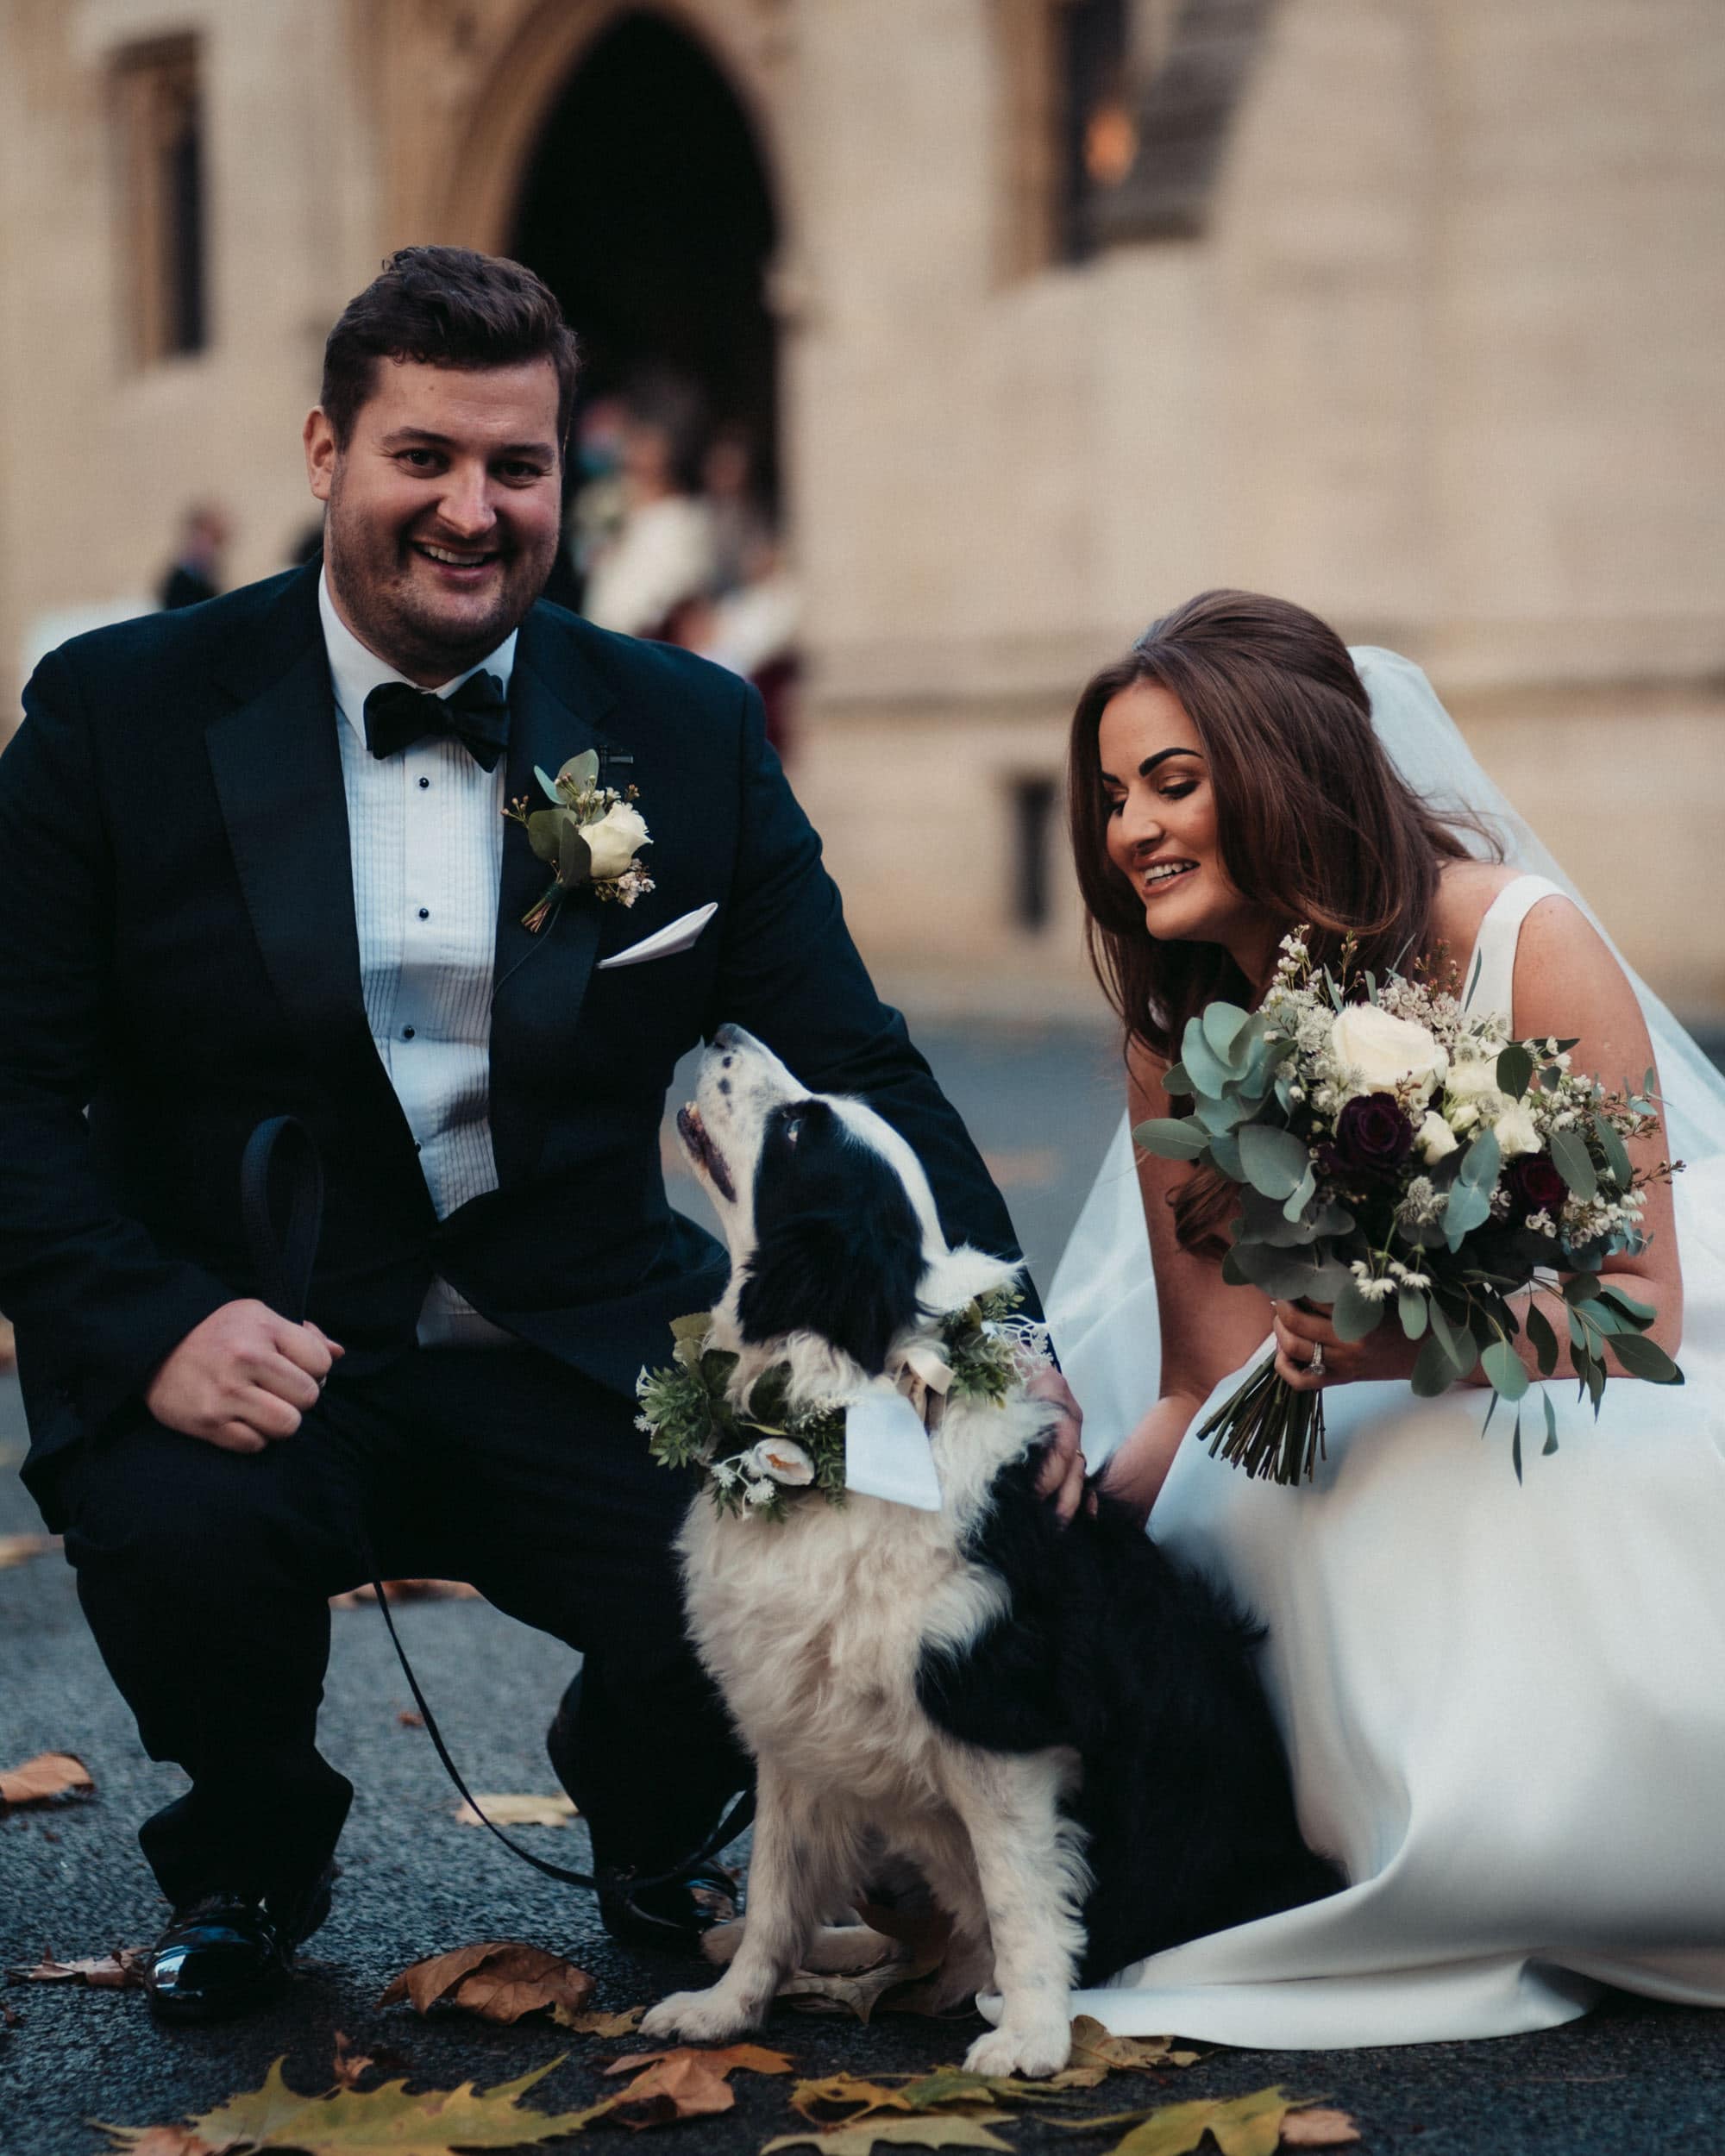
(1631, 2077)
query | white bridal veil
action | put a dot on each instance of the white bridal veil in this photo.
(1102, 1307)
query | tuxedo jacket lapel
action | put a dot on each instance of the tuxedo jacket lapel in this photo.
(555, 703)
(277, 768)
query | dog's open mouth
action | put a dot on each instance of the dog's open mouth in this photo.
(706, 1156)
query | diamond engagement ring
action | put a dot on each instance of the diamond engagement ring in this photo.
(1316, 1364)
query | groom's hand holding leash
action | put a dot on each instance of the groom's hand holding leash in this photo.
(243, 1378)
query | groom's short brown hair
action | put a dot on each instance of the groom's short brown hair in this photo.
(445, 306)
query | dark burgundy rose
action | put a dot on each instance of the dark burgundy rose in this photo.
(1534, 1184)
(1373, 1135)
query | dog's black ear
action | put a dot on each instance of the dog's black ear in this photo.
(837, 1244)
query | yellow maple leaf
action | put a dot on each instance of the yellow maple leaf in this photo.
(386, 2121)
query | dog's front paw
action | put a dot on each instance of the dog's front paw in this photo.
(699, 2017)
(1034, 2050)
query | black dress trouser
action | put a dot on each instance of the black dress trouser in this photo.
(205, 1576)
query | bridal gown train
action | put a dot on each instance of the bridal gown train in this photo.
(1504, 1706)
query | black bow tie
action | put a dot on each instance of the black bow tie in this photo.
(477, 715)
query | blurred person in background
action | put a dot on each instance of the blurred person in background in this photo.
(659, 559)
(748, 618)
(195, 573)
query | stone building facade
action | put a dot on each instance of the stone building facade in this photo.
(1411, 310)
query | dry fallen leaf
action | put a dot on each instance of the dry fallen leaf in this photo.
(1319, 2127)
(350, 2063)
(121, 1970)
(171, 2141)
(753, 2059)
(20, 1549)
(9, 2014)
(933, 2132)
(352, 2122)
(409, 1720)
(506, 1810)
(685, 2084)
(1251, 2125)
(1092, 2046)
(51, 1778)
(923, 1938)
(590, 2023)
(499, 1979)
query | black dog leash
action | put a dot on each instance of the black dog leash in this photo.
(282, 1264)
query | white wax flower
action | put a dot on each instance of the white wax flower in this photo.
(782, 1460)
(615, 839)
(1385, 1051)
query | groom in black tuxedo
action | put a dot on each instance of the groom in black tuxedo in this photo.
(248, 866)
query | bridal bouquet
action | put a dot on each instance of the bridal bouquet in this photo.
(1395, 1152)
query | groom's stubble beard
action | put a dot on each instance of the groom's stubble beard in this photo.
(371, 567)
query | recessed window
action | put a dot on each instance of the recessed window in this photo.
(1033, 805)
(162, 220)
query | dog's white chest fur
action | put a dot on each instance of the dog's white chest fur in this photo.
(813, 1626)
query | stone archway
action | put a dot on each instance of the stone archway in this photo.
(646, 205)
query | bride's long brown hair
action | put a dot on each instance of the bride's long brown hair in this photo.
(1314, 823)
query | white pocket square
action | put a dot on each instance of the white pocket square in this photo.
(664, 942)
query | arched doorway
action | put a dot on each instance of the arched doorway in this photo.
(647, 210)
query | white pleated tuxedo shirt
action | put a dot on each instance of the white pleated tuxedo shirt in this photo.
(425, 833)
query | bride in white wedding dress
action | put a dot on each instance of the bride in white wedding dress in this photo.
(1504, 1703)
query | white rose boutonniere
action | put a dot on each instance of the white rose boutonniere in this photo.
(591, 834)
(1384, 1052)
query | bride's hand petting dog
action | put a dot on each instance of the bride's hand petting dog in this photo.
(1061, 1731)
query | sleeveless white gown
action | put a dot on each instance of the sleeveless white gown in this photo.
(1504, 1706)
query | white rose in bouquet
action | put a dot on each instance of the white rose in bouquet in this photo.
(782, 1460)
(615, 840)
(1384, 1052)
(1471, 1091)
(1435, 1138)
(1515, 1131)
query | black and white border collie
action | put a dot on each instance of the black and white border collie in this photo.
(1062, 1732)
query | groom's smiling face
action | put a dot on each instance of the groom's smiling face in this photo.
(443, 509)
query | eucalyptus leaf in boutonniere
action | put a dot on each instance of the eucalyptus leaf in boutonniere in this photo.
(590, 834)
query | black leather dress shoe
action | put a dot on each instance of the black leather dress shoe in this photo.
(228, 1954)
(671, 1916)
(221, 1955)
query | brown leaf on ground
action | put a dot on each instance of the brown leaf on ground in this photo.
(350, 2121)
(862, 2096)
(499, 1979)
(923, 1937)
(407, 1591)
(590, 2023)
(684, 2084)
(932, 2131)
(20, 1549)
(51, 1778)
(1095, 2046)
(1319, 2127)
(351, 2064)
(121, 1970)
(505, 1809)
(9, 2015)
(409, 1720)
(171, 2141)
(753, 2059)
